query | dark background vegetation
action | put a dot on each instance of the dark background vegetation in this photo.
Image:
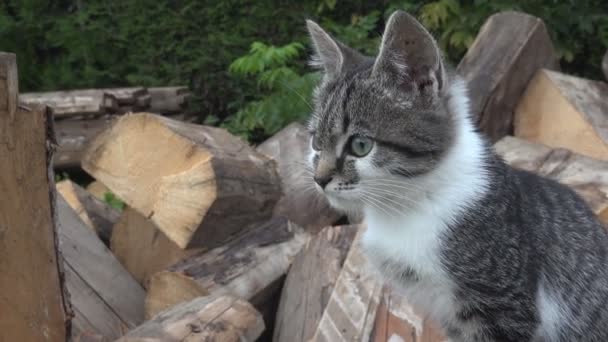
(245, 61)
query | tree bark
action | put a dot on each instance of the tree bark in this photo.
(73, 136)
(199, 185)
(34, 305)
(507, 52)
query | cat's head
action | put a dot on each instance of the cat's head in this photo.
(379, 124)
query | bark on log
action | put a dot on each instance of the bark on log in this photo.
(310, 282)
(168, 100)
(507, 52)
(127, 96)
(73, 136)
(97, 215)
(290, 148)
(587, 176)
(565, 111)
(142, 248)
(107, 301)
(206, 319)
(78, 102)
(361, 309)
(248, 267)
(199, 185)
(33, 304)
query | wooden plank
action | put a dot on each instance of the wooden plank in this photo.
(507, 52)
(587, 176)
(206, 319)
(142, 248)
(190, 180)
(310, 282)
(248, 267)
(95, 265)
(565, 111)
(96, 214)
(290, 148)
(33, 304)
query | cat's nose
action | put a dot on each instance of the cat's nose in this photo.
(322, 181)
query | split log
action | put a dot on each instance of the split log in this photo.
(33, 304)
(310, 282)
(605, 65)
(507, 52)
(361, 309)
(200, 185)
(290, 148)
(142, 248)
(587, 176)
(73, 136)
(97, 215)
(76, 102)
(565, 111)
(206, 319)
(98, 190)
(107, 301)
(250, 267)
(168, 100)
(127, 96)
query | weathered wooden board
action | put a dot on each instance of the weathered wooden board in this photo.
(587, 176)
(507, 52)
(564, 111)
(33, 305)
(206, 319)
(290, 148)
(199, 185)
(107, 301)
(142, 248)
(248, 267)
(310, 282)
(96, 214)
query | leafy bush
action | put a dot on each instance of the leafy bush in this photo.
(66, 44)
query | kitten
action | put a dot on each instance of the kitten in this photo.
(489, 252)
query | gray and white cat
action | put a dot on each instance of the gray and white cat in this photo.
(489, 252)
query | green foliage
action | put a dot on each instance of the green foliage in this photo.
(252, 89)
(113, 201)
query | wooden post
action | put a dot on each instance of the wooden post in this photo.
(33, 304)
(508, 50)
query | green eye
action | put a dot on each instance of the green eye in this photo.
(361, 146)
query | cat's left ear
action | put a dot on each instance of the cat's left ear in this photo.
(409, 54)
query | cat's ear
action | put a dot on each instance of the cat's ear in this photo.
(409, 53)
(330, 55)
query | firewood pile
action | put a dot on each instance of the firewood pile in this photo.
(223, 241)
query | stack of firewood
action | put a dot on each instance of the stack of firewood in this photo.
(221, 241)
(81, 114)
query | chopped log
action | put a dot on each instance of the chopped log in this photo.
(168, 100)
(361, 309)
(200, 185)
(248, 267)
(605, 65)
(508, 50)
(98, 190)
(565, 111)
(96, 214)
(310, 282)
(75, 102)
(290, 148)
(73, 136)
(587, 176)
(107, 301)
(127, 96)
(142, 248)
(33, 304)
(206, 319)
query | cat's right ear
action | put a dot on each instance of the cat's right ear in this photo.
(328, 54)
